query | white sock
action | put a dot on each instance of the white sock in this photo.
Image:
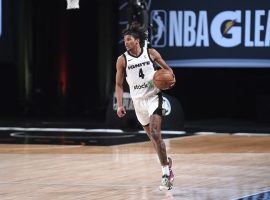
(165, 170)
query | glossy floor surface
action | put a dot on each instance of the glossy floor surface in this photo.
(219, 166)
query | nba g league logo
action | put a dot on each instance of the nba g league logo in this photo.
(227, 28)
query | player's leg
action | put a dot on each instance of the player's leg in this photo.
(155, 133)
(147, 130)
(154, 127)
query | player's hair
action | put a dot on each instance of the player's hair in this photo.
(137, 31)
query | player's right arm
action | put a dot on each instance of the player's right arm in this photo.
(119, 80)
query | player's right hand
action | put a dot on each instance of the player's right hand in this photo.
(121, 111)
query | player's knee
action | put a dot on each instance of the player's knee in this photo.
(155, 133)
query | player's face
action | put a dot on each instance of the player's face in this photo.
(130, 42)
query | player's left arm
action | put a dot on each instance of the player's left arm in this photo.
(156, 57)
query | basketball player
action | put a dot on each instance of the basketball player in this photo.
(137, 64)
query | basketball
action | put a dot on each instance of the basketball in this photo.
(163, 79)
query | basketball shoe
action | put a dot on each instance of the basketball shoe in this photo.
(167, 181)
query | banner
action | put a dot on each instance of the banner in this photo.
(189, 33)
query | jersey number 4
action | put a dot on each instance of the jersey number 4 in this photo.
(141, 74)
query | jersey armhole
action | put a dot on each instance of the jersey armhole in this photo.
(125, 60)
(125, 64)
(150, 56)
(156, 67)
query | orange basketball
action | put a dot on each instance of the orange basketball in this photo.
(163, 79)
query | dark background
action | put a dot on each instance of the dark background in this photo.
(56, 63)
(59, 64)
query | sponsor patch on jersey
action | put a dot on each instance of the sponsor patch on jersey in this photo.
(138, 87)
(149, 84)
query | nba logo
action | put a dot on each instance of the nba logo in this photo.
(159, 28)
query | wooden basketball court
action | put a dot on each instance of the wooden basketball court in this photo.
(219, 166)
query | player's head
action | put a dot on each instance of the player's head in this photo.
(134, 35)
